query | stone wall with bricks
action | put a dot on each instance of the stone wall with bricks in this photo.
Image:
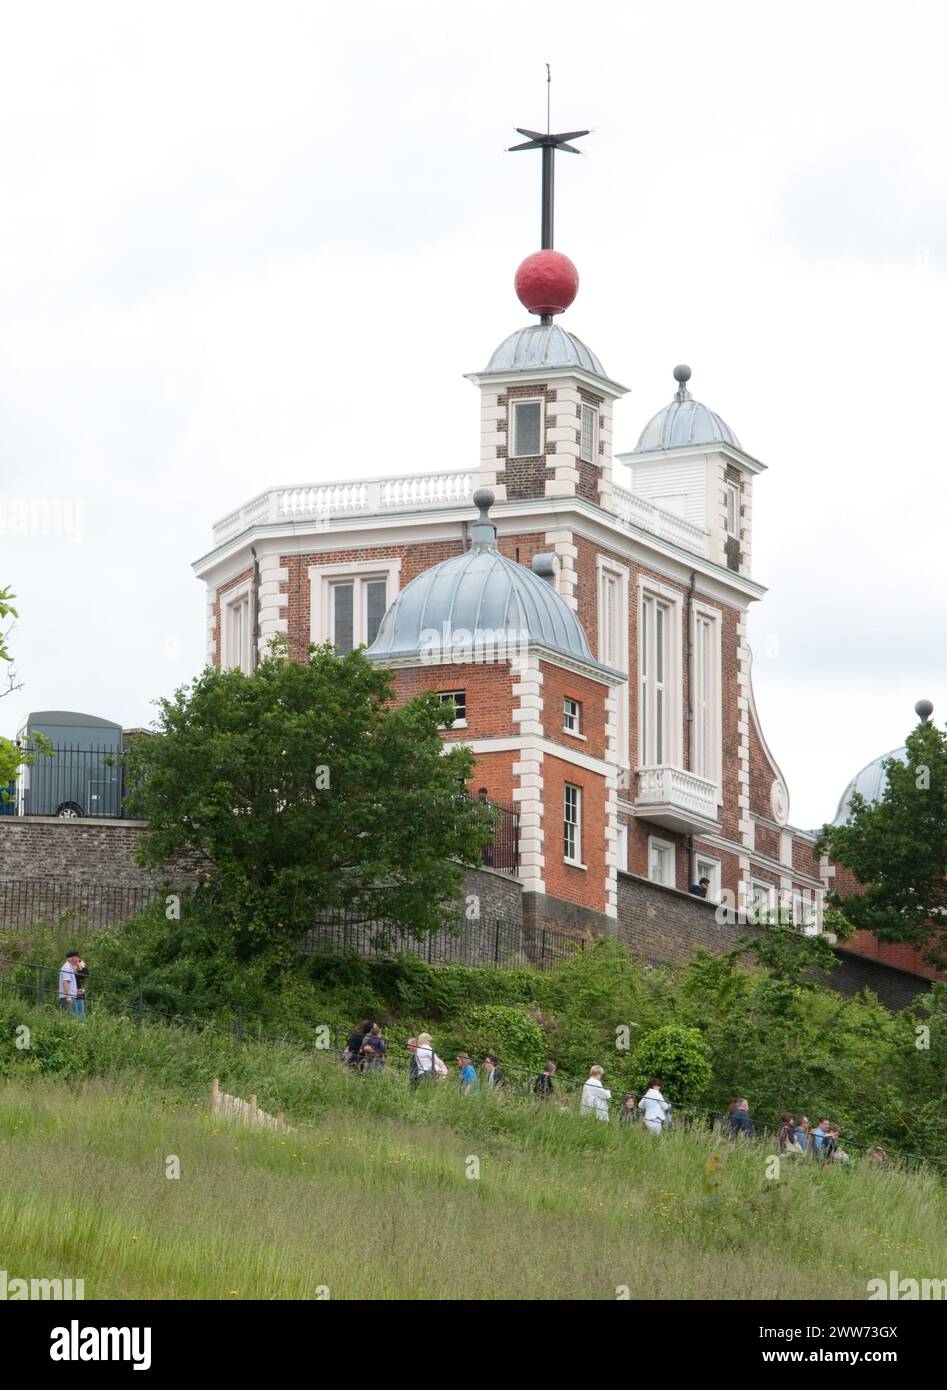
(660, 925)
(78, 851)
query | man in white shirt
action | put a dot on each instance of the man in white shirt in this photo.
(595, 1098)
(654, 1107)
(68, 991)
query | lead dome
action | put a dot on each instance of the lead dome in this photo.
(684, 422)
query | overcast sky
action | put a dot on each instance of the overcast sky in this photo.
(235, 240)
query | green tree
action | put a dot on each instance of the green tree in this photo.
(302, 787)
(897, 849)
(679, 1056)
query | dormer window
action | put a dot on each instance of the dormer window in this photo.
(587, 434)
(526, 434)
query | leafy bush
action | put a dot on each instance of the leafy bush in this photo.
(679, 1056)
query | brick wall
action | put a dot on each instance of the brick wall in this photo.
(659, 924)
(79, 851)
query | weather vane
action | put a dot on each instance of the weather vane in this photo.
(549, 143)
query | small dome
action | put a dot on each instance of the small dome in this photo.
(684, 422)
(478, 602)
(540, 346)
(870, 783)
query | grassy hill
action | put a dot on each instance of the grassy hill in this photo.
(369, 1196)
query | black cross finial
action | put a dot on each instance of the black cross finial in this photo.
(548, 143)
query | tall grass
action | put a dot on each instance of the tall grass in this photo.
(372, 1197)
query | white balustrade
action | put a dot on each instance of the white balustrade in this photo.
(319, 502)
(677, 789)
(639, 512)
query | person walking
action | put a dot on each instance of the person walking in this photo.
(353, 1048)
(802, 1133)
(68, 989)
(595, 1098)
(82, 974)
(819, 1135)
(429, 1064)
(544, 1086)
(469, 1080)
(379, 1045)
(414, 1071)
(786, 1141)
(495, 1080)
(740, 1122)
(626, 1109)
(654, 1107)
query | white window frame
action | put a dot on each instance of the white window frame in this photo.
(703, 863)
(613, 644)
(322, 578)
(237, 597)
(621, 847)
(732, 509)
(670, 848)
(649, 591)
(706, 751)
(514, 452)
(575, 825)
(444, 695)
(752, 907)
(593, 431)
(575, 729)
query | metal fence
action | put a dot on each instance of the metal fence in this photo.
(503, 851)
(489, 940)
(492, 939)
(74, 783)
(26, 902)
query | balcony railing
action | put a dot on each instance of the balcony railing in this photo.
(319, 503)
(680, 799)
(639, 512)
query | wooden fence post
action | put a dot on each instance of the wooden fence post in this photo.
(215, 1094)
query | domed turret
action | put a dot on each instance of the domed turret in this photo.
(872, 781)
(684, 422)
(478, 603)
(540, 347)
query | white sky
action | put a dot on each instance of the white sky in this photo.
(236, 238)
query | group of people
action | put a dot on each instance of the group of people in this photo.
(654, 1110)
(72, 977)
(796, 1136)
(366, 1049)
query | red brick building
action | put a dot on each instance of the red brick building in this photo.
(617, 713)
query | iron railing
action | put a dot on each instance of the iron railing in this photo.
(502, 852)
(73, 783)
(485, 938)
(25, 902)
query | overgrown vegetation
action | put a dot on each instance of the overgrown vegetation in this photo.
(374, 1194)
(712, 1029)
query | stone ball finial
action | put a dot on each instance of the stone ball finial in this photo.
(483, 499)
(924, 709)
(682, 374)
